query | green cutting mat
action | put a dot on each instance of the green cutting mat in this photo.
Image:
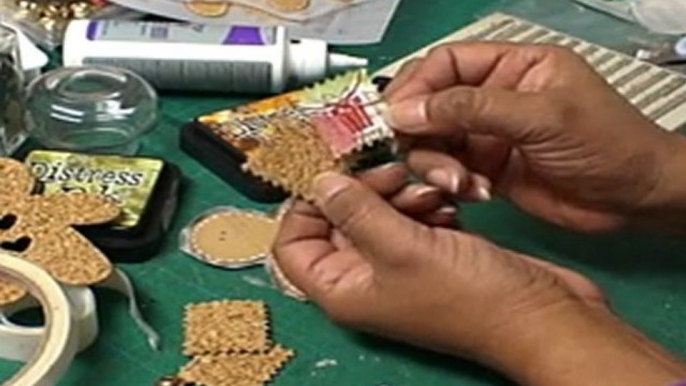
(644, 276)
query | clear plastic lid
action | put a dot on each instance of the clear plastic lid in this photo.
(12, 128)
(97, 109)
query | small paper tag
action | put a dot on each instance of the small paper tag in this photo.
(346, 112)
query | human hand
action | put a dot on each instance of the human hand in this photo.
(424, 203)
(375, 269)
(538, 124)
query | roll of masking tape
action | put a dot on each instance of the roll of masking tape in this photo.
(71, 322)
(59, 342)
(21, 342)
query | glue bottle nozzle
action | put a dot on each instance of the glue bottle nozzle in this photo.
(341, 62)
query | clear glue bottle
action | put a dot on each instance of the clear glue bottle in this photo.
(192, 57)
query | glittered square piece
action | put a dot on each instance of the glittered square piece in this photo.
(236, 369)
(226, 327)
(292, 157)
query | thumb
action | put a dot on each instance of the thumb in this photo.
(372, 224)
(496, 112)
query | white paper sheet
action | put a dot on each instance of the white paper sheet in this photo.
(363, 23)
(619, 9)
(316, 8)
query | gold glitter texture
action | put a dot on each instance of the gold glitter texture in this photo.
(226, 327)
(292, 157)
(39, 229)
(236, 369)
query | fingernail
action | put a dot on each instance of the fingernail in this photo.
(328, 184)
(447, 210)
(409, 115)
(386, 166)
(422, 190)
(445, 179)
(483, 194)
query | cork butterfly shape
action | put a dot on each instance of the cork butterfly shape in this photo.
(40, 229)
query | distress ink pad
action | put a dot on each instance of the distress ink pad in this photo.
(225, 159)
(146, 189)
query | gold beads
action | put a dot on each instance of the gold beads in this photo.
(52, 13)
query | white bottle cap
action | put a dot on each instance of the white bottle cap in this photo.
(310, 62)
(680, 47)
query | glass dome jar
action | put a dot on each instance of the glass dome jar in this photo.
(12, 125)
(94, 109)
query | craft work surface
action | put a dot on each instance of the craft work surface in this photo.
(644, 276)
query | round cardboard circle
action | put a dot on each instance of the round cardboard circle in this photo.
(230, 238)
(281, 281)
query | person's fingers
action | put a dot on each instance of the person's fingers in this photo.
(303, 221)
(391, 181)
(514, 66)
(304, 250)
(402, 76)
(501, 113)
(480, 189)
(317, 274)
(418, 199)
(339, 240)
(439, 169)
(387, 179)
(470, 64)
(484, 154)
(376, 229)
(301, 243)
(449, 174)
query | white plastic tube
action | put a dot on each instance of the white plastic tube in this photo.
(179, 56)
